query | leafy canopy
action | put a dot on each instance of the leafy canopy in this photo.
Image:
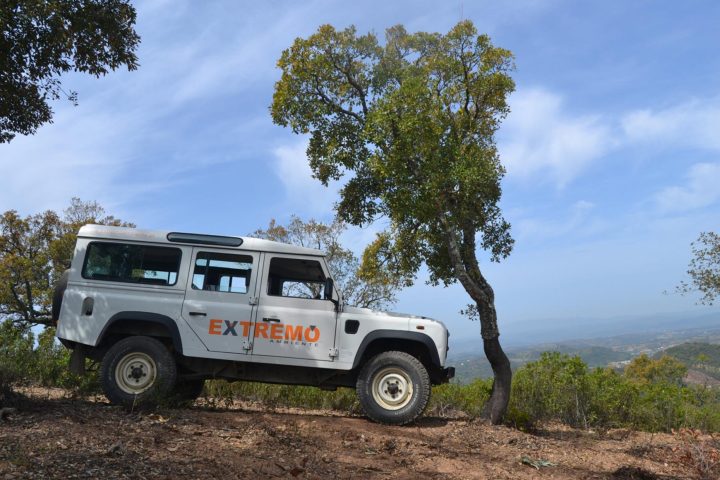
(344, 265)
(414, 121)
(704, 268)
(42, 39)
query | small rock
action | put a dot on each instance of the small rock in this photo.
(115, 448)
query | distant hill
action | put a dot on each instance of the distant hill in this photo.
(703, 357)
(685, 345)
(470, 367)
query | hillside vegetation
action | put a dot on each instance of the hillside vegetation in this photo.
(471, 367)
(704, 357)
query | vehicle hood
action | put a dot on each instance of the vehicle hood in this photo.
(369, 311)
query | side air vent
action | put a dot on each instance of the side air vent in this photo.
(351, 326)
(200, 239)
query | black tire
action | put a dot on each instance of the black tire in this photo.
(187, 391)
(392, 405)
(58, 294)
(125, 369)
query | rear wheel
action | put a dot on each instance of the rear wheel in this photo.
(138, 371)
(393, 388)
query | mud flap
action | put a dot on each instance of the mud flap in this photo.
(77, 361)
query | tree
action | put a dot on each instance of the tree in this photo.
(704, 268)
(34, 251)
(413, 122)
(376, 292)
(667, 369)
(42, 39)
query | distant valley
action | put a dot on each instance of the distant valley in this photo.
(698, 348)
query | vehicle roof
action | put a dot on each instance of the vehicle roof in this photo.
(159, 236)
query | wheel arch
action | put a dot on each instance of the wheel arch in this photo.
(416, 344)
(141, 323)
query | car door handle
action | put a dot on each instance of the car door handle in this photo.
(198, 314)
(271, 319)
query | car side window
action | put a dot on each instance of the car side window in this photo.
(296, 278)
(222, 272)
(129, 263)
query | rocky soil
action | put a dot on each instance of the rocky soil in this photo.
(50, 436)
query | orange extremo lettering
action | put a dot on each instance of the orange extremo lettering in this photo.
(312, 334)
(246, 328)
(261, 330)
(215, 327)
(276, 332)
(293, 333)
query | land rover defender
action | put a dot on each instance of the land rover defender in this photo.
(164, 311)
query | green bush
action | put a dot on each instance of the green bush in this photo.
(452, 397)
(555, 387)
(16, 353)
(41, 361)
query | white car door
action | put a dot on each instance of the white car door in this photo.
(293, 320)
(219, 298)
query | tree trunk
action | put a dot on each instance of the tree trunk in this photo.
(500, 396)
(467, 271)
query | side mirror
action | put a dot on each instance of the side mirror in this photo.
(329, 284)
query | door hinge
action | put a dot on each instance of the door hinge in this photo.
(253, 301)
(246, 345)
(334, 353)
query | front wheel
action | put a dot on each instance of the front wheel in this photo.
(393, 388)
(138, 372)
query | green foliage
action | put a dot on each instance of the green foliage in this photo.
(368, 292)
(49, 367)
(42, 39)
(413, 122)
(16, 345)
(704, 268)
(26, 360)
(666, 369)
(453, 397)
(558, 387)
(553, 388)
(698, 356)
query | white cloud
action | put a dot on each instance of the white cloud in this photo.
(700, 190)
(541, 139)
(305, 194)
(81, 154)
(693, 124)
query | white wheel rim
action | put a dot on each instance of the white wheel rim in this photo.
(135, 373)
(392, 388)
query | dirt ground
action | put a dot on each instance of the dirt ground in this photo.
(51, 437)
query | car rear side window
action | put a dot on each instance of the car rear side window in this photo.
(123, 262)
(222, 272)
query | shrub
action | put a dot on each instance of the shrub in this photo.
(16, 349)
(452, 397)
(555, 387)
(41, 361)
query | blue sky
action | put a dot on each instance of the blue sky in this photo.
(612, 147)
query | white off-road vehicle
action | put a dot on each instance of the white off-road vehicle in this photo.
(164, 311)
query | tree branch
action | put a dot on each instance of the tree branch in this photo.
(335, 106)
